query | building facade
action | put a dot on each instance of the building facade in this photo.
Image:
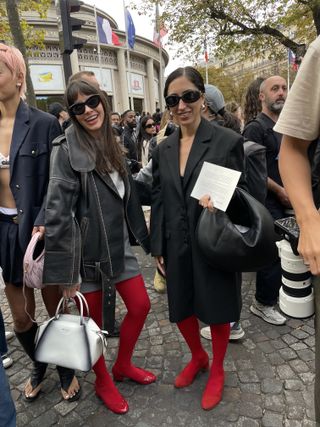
(133, 79)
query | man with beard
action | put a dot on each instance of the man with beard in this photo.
(273, 93)
(129, 139)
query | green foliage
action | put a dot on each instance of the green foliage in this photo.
(241, 27)
(32, 36)
(232, 89)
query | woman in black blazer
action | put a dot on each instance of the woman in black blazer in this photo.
(25, 144)
(195, 290)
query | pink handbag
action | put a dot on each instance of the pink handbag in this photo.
(33, 263)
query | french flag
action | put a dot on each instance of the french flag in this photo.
(105, 33)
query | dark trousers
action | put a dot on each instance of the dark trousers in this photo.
(268, 281)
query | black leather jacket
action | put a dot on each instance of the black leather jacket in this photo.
(84, 218)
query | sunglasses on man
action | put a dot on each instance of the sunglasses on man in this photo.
(188, 97)
(80, 107)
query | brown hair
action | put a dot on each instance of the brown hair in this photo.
(106, 151)
(252, 103)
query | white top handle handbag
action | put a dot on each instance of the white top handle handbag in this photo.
(69, 340)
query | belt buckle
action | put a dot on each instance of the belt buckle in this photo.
(15, 219)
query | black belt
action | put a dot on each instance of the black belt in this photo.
(9, 218)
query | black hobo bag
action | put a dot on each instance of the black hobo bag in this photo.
(240, 239)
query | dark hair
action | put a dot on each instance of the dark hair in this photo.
(252, 103)
(55, 109)
(231, 121)
(115, 113)
(106, 152)
(232, 106)
(124, 114)
(142, 134)
(190, 73)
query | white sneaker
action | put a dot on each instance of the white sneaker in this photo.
(6, 361)
(9, 335)
(236, 332)
(206, 332)
(267, 313)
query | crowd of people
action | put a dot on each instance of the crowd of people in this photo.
(80, 176)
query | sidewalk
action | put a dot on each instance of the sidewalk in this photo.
(269, 376)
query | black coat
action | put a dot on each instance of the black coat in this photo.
(30, 149)
(194, 288)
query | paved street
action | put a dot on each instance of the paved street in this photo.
(269, 376)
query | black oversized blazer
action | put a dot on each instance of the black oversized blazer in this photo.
(193, 286)
(33, 133)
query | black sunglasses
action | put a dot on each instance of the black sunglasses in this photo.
(188, 97)
(151, 125)
(79, 107)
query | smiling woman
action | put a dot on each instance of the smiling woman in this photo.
(196, 290)
(92, 215)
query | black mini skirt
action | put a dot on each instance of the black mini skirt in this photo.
(11, 255)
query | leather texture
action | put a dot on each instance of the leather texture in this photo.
(231, 248)
(69, 340)
(33, 263)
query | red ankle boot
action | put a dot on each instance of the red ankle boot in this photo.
(111, 398)
(188, 374)
(213, 392)
(134, 373)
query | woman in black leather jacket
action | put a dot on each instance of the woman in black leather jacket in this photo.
(92, 214)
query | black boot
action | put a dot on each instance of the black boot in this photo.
(26, 339)
(66, 376)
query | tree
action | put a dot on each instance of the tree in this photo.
(243, 27)
(217, 77)
(15, 29)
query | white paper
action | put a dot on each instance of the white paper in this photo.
(217, 181)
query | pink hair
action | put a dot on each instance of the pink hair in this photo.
(13, 59)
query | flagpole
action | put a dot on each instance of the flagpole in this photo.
(98, 44)
(128, 58)
(206, 59)
(207, 73)
(160, 58)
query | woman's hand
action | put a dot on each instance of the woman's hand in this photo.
(70, 291)
(160, 265)
(206, 202)
(41, 230)
(309, 243)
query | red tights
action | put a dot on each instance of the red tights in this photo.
(136, 299)
(220, 333)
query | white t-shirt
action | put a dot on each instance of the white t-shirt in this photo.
(300, 117)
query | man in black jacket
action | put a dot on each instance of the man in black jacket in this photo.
(129, 139)
(273, 93)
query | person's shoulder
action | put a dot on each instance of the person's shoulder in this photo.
(258, 125)
(61, 139)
